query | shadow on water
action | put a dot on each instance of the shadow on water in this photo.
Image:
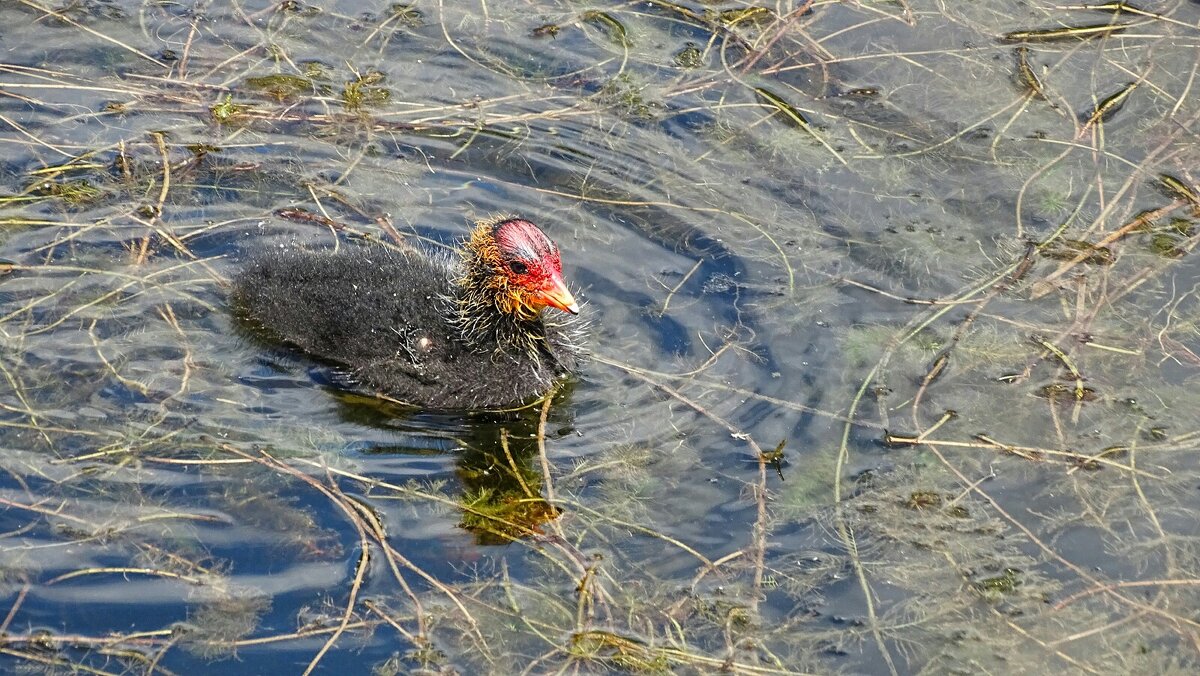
(496, 458)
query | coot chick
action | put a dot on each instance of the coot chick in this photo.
(422, 327)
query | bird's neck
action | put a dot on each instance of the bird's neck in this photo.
(486, 323)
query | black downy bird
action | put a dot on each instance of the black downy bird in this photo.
(425, 328)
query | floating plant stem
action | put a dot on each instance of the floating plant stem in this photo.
(1104, 110)
(1069, 33)
(1066, 361)
(1026, 75)
(794, 117)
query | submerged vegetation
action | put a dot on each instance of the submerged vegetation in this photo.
(944, 252)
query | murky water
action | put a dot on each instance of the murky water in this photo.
(894, 350)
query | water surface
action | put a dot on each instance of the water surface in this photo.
(895, 339)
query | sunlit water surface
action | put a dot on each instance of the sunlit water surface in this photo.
(808, 237)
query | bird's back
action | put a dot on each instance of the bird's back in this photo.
(342, 305)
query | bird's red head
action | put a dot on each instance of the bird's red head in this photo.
(524, 270)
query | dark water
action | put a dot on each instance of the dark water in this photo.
(951, 272)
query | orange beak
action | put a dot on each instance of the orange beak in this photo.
(557, 295)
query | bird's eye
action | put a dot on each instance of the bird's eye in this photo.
(518, 267)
